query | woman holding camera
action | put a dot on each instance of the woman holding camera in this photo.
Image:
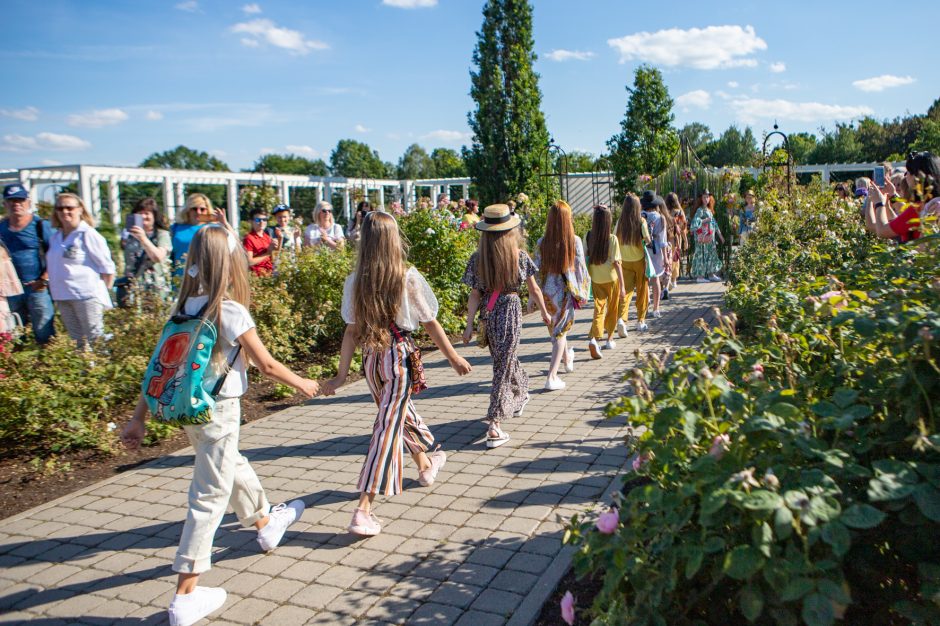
(146, 245)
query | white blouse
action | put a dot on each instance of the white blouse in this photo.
(314, 232)
(418, 302)
(75, 264)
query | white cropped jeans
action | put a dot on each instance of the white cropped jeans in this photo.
(222, 477)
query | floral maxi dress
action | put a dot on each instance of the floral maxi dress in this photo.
(503, 331)
(705, 260)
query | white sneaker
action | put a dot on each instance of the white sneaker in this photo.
(281, 516)
(594, 348)
(621, 329)
(674, 286)
(189, 608)
(569, 359)
(554, 384)
(715, 278)
(525, 401)
(701, 280)
(657, 314)
(610, 344)
(642, 326)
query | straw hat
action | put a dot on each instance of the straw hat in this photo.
(497, 217)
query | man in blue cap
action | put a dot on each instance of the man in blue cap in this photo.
(27, 236)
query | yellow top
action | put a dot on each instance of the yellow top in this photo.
(471, 218)
(603, 273)
(632, 254)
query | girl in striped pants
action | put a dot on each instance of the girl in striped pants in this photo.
(384, 301)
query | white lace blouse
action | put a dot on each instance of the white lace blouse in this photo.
(418, 302)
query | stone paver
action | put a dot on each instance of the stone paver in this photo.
(481, 546)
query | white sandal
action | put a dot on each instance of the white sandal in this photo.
(501, 437)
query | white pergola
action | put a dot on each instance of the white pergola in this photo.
(89, 179)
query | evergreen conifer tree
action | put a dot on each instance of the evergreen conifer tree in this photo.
(509, 133)
(647, 142)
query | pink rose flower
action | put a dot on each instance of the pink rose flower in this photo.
(639, 461)
(719, 446)
(567, 608)
(757, 367)
(607, 522)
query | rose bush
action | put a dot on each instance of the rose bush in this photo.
(792, 461)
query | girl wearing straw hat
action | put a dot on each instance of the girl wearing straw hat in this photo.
(495, 273)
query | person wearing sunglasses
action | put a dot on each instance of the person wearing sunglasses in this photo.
(324, 231)
(259, 245)
(197, 212)
(81, 270)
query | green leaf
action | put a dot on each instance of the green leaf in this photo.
(751, 601)
(833, 590)
(714, 501)
(783, 522)
(844, 397)
(743, 562)
(865, 327)
(714, 544)
(887, 487)
(837, 536)
(824, 408)
(762, 500)
(696, 554)
(818, 610)
(689, 420)
(824, 508)
(861, 516)
(797, 588)
(784, 409)
(928, 501)
(763, 538)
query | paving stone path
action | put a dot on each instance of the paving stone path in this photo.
(481, 546)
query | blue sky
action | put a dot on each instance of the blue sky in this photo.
(110, 82)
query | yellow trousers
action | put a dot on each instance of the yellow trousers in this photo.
(606, 307)
(634, 278)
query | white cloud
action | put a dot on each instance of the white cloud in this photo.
(569, 55)
(50, 162)
(447, 136)
(304, 151)
(359, 128)
(750, 110)
(778, 67)
(699, 99)
(154, 116)
(410, 4)
(97, 119)
(713, 47)
(277, 36)
(28, 114)
(190, 6)
(42, 141)
(880, 83)
(251, 9)
(733, 84)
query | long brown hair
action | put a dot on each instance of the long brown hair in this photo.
(498, 261)
(558, 245)
(630, 224)
(380, 278)
(220, 274)
(598, 238)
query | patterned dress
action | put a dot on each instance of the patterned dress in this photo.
(705, 261)
(503, 330)
(557, 289)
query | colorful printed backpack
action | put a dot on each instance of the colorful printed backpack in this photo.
(174, 383)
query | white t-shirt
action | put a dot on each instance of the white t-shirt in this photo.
(235, 321)
(314, 232)
(418, 302)
(75, 264)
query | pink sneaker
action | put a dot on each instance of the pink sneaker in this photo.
(364, 524)
(437, 458)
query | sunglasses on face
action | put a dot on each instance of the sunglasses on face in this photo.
(67, 207)
(258, 220)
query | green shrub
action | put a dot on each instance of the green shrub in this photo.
(440, 252)
(314, 281)
(280, 321)
(792, 471)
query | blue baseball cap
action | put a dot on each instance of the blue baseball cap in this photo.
(280, 209)
(15, 190)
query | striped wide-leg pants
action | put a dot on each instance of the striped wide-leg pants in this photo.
(397, 423)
